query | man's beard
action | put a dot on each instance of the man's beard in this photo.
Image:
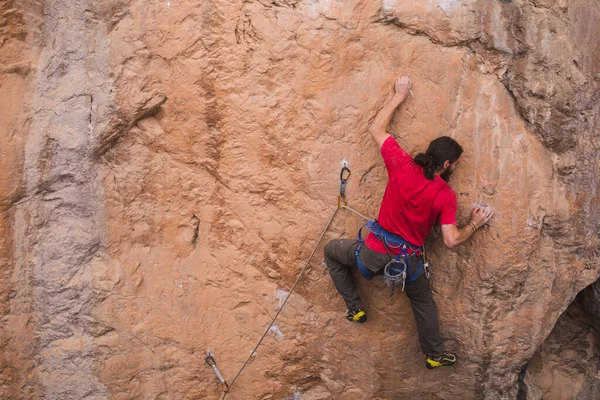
(447, 174)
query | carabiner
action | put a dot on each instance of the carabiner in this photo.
(343, 181)
(210, 361)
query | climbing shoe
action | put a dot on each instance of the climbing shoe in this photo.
(356, 316)
(447, 360)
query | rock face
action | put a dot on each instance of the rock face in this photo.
(566, 366)
(168, 167)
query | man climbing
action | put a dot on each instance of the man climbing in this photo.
(417, 195)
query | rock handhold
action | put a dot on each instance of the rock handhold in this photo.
(124, 119)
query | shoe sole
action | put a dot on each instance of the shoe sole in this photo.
(440, 364)
(361, 319)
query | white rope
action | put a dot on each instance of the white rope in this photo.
(357, 213)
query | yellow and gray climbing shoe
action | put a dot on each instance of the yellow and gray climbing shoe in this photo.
(447, 360)
(356, 316)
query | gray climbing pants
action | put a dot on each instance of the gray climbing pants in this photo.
(341, 263)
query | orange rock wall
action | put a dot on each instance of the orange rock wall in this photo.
(173, 163)
(19, 33)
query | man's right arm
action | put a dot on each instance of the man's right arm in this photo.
(378, 128)
(453, 235)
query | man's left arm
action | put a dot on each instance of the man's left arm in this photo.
(453, 235)
(378, 128)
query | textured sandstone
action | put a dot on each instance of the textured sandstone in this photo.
(140, 232)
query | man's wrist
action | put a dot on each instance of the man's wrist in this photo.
(398, 98)
(473, 226)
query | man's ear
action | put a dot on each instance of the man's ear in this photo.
(447, 164)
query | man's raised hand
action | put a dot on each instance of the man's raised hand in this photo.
(402, 86)
(481, 215)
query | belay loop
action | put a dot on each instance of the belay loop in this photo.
(343, 181)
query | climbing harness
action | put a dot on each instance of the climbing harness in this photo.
(398, 270)
(343, 181)
(210, 360)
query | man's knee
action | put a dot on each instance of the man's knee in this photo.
(330, 249)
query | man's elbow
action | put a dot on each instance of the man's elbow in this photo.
(374, 131)
(450, 243)
(378, 135)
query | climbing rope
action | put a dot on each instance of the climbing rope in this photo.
(356, 212)
(342, 204)
(284, 302)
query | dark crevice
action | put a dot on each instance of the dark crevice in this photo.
(196, 225)
(589, 300)
(419, 32)
(566, 363)
(522, 393)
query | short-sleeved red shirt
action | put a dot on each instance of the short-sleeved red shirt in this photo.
(412, 203)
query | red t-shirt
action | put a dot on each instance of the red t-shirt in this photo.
(412, 203)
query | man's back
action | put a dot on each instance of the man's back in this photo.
(411, 203)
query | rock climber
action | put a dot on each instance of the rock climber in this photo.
(417, 195)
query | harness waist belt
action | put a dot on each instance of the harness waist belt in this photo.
(393, 241)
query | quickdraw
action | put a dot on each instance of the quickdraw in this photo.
(210, 360)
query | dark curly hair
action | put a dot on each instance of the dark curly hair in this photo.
(439, 151)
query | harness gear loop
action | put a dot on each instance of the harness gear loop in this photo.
(343, 181)
(425, 264)
(210, 361)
